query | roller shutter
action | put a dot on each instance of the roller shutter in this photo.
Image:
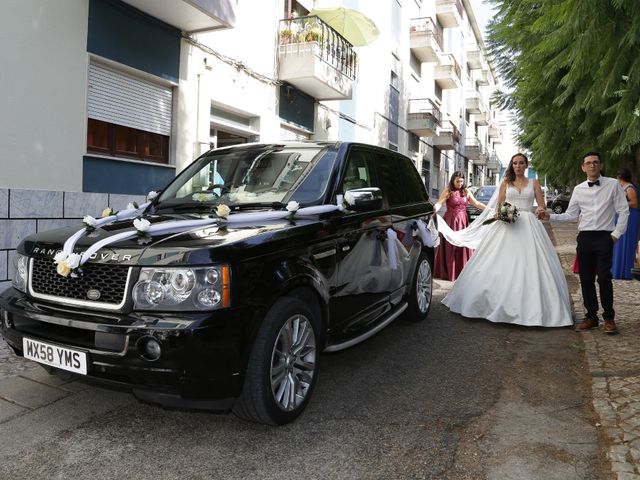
(122, 99)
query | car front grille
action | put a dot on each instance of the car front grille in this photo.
(110, 280)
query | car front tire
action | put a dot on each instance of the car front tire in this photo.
(558, 209)
(421, 292)
(283, 366)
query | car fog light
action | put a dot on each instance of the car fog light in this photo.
(149, 348)
(209, 297)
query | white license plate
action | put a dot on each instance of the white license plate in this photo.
(55, 356)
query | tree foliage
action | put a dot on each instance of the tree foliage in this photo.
(572, 74)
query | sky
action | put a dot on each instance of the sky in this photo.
(483, 13)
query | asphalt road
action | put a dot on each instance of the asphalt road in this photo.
(449, 398)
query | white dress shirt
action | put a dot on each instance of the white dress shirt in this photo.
(596, 206)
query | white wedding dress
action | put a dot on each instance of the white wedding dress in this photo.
(515, 275)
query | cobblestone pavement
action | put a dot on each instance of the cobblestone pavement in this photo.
(614, 363)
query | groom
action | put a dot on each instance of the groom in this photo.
(596, 201)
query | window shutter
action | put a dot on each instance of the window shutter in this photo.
(123, 99)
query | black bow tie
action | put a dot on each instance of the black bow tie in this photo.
(591, 184)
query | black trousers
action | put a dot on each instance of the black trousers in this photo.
(594, 250)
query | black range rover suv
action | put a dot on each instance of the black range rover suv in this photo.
(234, 315)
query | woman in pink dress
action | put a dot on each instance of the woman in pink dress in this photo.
(450, 260)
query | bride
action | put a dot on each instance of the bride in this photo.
(515, 275)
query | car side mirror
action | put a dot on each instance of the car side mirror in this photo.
(363, 199)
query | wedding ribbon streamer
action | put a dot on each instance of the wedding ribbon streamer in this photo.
(128, 214)
(392, 248)
(177, 226)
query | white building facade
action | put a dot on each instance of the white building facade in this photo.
(105, 100)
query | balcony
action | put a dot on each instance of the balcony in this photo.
(424, 117)
(474, 58)
(494, 133)
(481, 160)
(449, 13)
(472, 148)
(480, 119)
(493, 163)
(448, 136)
(473, 102)
(426, 39)
(316, 59)
(483, 77)
(448, 74)
(190, 15)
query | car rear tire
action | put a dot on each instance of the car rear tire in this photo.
(558, 209)
(421, 292)
(283, 366)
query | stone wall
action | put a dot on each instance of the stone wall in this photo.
(24, 212)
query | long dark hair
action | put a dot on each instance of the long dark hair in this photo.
(625, 174)
(454, 175)
(510, 174)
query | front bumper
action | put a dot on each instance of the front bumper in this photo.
(203, 355)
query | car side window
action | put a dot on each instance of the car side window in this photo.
(391, 182)
(358, 171)
(414, 189)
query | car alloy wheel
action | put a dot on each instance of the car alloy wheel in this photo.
(293, 362)
(419, 299)
(423, 286)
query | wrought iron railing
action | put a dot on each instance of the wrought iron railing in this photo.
(449, 126)
(419, 107)
(426, 25)
(333, 47)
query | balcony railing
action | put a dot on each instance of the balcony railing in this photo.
(448, 73)
(424, 117)
(493, 163)
(316, 59)
(472, 147)
(426, 39)
(447, 137)
(474, 103)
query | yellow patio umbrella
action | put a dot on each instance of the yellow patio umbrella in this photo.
(354, 26)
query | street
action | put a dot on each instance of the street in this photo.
(450, 398)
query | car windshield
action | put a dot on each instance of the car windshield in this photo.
(265, 175)
(484, 193)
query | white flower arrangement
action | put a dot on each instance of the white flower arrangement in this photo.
(222, 211)
(107, 212)
(292, 208)
(141, 225)
(505, 212)
(89, 223)
(132, 206)
(67, 264)
(152, 195)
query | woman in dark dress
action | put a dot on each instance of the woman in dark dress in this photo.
(450, 260)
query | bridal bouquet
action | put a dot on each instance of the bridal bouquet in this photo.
(505, 212)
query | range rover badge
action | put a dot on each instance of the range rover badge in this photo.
(93, 294)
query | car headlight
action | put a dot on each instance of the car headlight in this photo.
(182, 288)
(19, 279)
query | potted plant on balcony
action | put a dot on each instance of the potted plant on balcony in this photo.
(285, 36)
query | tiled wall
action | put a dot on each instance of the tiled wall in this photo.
(23, 212)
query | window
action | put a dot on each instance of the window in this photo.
(128, 116)
(118, 141)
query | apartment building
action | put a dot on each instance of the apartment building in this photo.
(105, 100)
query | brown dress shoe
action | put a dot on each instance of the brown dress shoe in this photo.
(585, 325)
(610, 326)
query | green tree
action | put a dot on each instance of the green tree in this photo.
(572, 72)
